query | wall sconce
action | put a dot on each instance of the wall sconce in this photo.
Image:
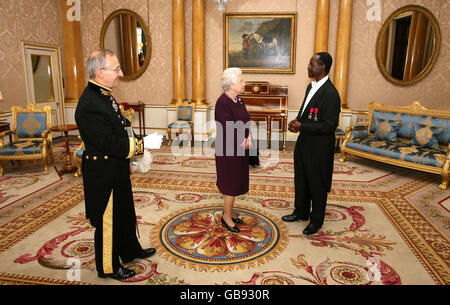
(1, 96)
(221, 4)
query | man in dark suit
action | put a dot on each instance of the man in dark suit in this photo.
(109, 145)
(316, 121)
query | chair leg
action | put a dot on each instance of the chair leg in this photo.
(78, 165)
(45, 165)
(52, 161)
(1, 169)
(343, 157)
(444, 184)
(169, 135)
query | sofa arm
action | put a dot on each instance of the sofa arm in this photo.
(46, 138)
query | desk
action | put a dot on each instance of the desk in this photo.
(66, 128)
(267, 103)
(140, 109)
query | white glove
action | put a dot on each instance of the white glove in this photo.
(152, 141)
(142, 164)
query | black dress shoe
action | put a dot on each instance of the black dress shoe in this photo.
(231, 229)
(143, 254)
(293, 217)
(121, 274)
(237, 220)
(311, 229)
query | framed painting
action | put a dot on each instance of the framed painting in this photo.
(260, 42)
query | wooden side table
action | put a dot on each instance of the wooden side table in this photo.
(4, 126)
(66, 128)
(140, 109)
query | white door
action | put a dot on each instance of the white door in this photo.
(44, 79)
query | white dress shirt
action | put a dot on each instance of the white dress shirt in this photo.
(315, 86)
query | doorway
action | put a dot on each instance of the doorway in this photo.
(44, 78)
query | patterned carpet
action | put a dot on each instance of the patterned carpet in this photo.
(384, 225)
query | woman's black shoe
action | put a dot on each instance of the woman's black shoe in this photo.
(237, 220)
(231, 229)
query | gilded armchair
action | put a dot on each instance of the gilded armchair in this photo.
(31, 136)
(78, 153)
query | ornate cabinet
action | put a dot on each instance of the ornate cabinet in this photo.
(267, 103)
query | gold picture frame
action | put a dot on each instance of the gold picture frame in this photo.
(260, 42)
(429, 46)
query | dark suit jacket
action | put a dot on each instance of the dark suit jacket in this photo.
(317, 137)
(108, 149)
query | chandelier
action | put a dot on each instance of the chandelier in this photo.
(221, 4)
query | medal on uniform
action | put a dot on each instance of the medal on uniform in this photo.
(310, 113)
(315, 113)
(116, 109)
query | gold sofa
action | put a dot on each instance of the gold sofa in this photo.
(409, 136)
(32, 138)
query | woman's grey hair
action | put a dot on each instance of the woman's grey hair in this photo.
(97, 60)
(229, 77)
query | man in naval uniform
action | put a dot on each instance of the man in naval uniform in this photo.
(106, 169)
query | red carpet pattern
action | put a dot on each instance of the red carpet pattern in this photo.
(384, 225)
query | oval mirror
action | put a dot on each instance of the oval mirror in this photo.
(408, 45)
(126, 33)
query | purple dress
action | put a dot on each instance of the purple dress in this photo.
(231, 159)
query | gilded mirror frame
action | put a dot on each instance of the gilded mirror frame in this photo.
(433, 58)
(141, 21)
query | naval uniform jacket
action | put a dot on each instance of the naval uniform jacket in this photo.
(108, 149)
(317, 132)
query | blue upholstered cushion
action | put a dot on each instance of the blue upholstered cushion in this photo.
(31, 125)
(359, 133)
(79, 153)
(185, 113)
(387, 129)
(339, 132)
(400, 151)
(179, 124)
(408, 122)
(426, 135)
(22, 147)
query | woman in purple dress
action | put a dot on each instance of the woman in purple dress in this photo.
(232, 144)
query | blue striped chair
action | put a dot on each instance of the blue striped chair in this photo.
(184, 120)
(32, 138)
